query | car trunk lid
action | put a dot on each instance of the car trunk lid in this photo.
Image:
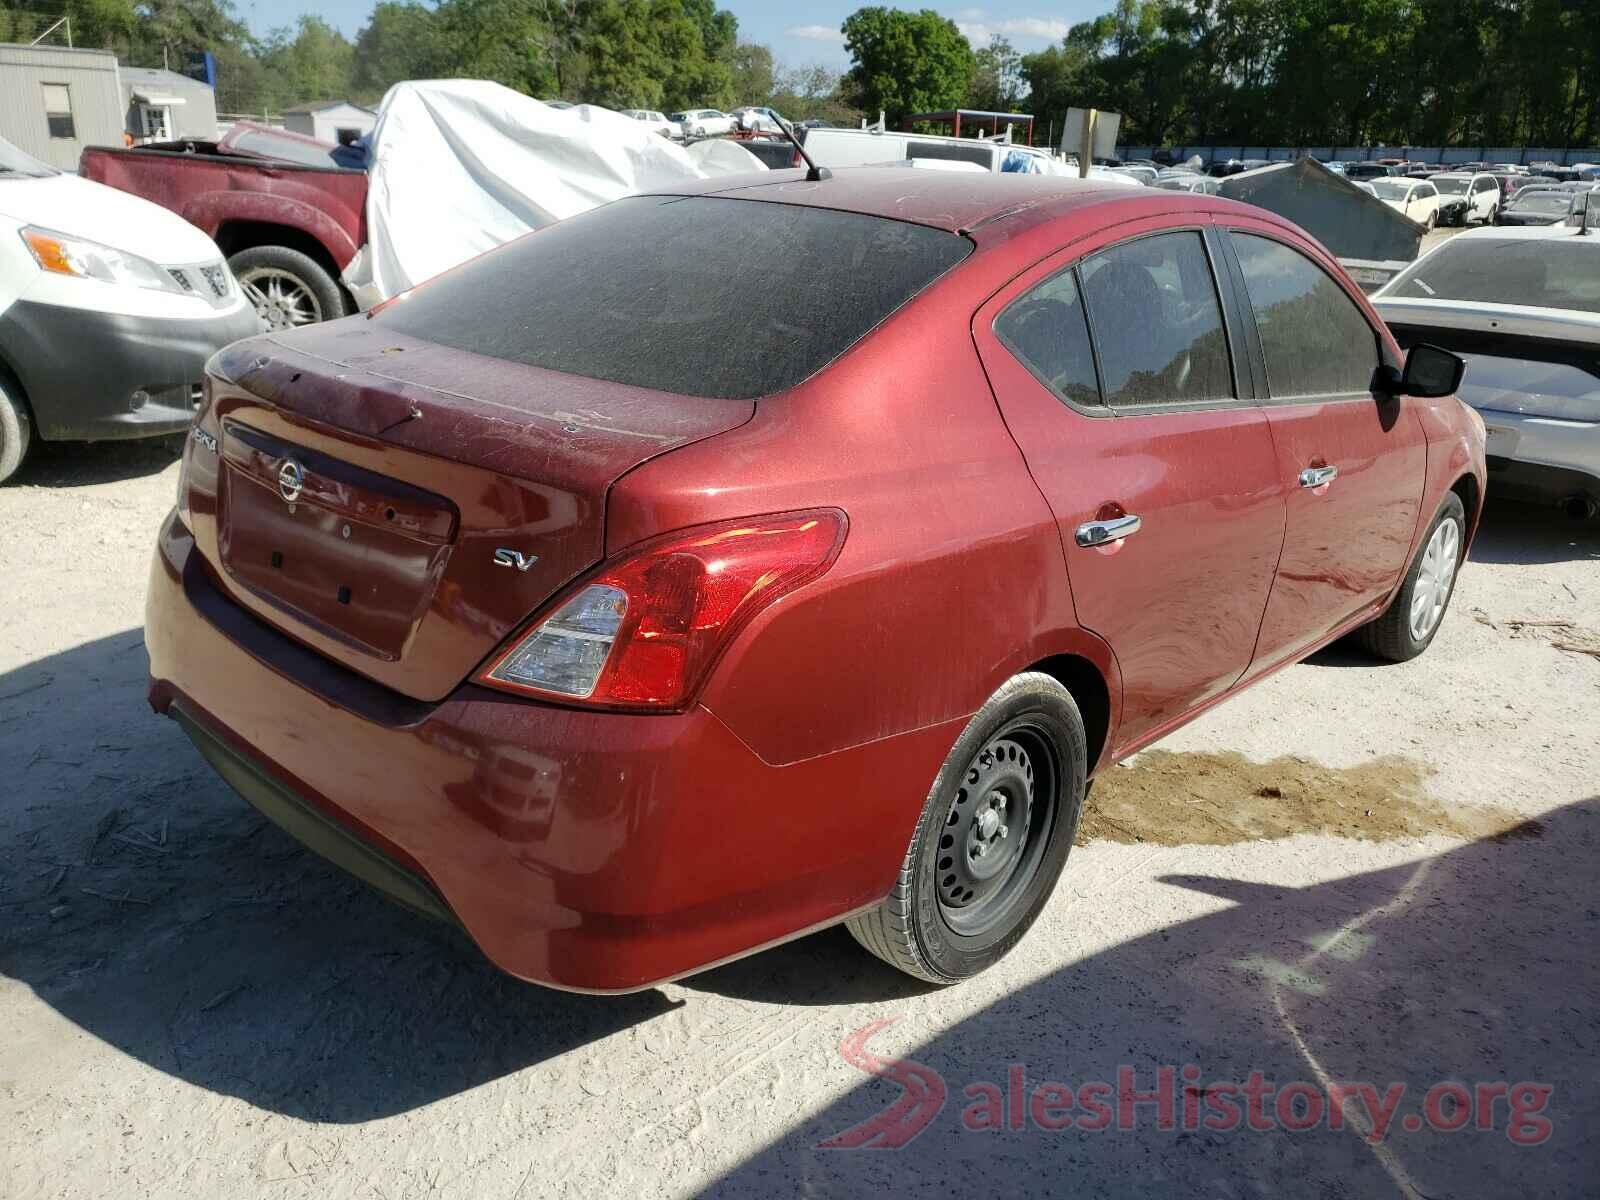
(367, 482)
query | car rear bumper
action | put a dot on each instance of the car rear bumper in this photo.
(587, 851)
(1541, 458)
(93, 375)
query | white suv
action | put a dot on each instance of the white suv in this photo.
(1481, 193)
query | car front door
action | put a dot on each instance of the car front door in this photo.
(1351, 459)
(1158, 466)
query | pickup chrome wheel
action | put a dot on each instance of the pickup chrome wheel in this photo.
(288, 289)
(1413, 617)
(282, 300)
(991, 839)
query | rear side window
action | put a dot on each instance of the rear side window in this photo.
(1316, 341)
(1157, 322)
(698, 295)
(1047, 331)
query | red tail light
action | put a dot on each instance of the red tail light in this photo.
(643, 632)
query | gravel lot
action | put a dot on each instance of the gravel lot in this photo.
(190, 1005)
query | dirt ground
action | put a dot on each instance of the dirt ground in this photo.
(1353, 872)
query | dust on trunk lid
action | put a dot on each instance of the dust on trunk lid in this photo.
(405, 526)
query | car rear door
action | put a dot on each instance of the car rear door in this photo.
(1351, 460)
(1153, 456)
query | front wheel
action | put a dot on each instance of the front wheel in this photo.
(1407, 626)
(16, 431)
(992, 838)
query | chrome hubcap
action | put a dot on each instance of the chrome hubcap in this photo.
(1437, 576)
(282, 300)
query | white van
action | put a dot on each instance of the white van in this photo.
(109, 307)
(870, 147)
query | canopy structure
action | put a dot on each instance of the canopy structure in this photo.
(976, 121)
(156, 99)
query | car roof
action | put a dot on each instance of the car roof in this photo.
(958, 202)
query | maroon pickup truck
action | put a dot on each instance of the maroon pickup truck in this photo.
(288, 211)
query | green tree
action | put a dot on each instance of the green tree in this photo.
(401, 40)
(907, 62)
(754, 77)
(997, 82)
(311, 62)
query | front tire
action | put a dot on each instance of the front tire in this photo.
(1413, 617)
(992, 838)
(16, 430)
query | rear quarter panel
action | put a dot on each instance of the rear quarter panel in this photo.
(951, 578)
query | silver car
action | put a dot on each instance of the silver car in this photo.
(1522, 307)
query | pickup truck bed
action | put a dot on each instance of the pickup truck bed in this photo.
(288, 228)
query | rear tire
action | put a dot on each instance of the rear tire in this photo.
(1005, 804)
(288, 289)
(16, 430)
(1407, 627)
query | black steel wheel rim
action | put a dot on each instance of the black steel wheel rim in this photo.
(996, 829)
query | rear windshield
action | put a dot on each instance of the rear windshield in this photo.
(1553, 202)
(690, 294)
(1542, 272)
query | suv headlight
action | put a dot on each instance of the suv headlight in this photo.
(63, 255)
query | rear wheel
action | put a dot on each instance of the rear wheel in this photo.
(991, 840)
(287, 288)
(1413, 617)
(16, 430)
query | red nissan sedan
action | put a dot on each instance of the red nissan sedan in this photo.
(724, 564)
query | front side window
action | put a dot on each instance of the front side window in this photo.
(1157, 322)
(1315, 340)
(58, 110)
(1047, 331)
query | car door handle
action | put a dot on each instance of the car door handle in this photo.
(1315, 477)
(1098, 533)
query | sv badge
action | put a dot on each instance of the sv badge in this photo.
(514, 558)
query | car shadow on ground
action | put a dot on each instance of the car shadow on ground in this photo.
(1508, 533)
(77, 464)
(1474, 966)
(144, 901)
(1526, 533)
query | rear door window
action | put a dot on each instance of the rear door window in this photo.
(1315, 340)
(699, 295)
(1157, 322)
(1048, 333)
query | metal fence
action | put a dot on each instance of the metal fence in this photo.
(1434, 154)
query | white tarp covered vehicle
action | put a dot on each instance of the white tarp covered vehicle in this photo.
(457, 167)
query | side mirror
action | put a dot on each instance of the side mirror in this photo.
(1429, 373)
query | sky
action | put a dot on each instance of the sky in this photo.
(798, 34)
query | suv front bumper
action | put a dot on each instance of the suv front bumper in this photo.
(92, 375)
